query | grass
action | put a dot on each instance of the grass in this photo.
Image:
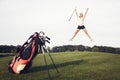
(72, 66)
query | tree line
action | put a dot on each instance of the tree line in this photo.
(85, 48)
(7, 49)
(64, 48)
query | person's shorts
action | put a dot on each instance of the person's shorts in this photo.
(81, 27)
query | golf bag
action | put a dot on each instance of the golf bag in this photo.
(22, 61)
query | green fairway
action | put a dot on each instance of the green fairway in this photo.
(71, 65)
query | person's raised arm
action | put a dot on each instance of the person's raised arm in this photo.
(76, 12)
(86, 12)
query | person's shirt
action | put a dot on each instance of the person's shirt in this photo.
(81, 21)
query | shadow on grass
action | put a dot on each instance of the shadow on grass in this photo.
(51, 66)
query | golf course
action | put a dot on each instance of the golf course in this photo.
(71, 66)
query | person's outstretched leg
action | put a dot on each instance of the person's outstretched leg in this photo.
(75, 33)
(86, 32)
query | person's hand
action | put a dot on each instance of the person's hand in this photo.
(87, 8)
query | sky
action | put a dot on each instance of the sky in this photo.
(21, 18)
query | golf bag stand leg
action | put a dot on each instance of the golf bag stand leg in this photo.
(51, 58)
(46, 63)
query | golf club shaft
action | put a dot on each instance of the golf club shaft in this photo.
(71, 14)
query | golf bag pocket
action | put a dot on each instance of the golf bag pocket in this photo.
(17, 65)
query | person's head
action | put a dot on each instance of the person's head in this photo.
(81, 14)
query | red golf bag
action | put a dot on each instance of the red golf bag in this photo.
(22, 61)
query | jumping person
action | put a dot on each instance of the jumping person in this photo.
(81, 26)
